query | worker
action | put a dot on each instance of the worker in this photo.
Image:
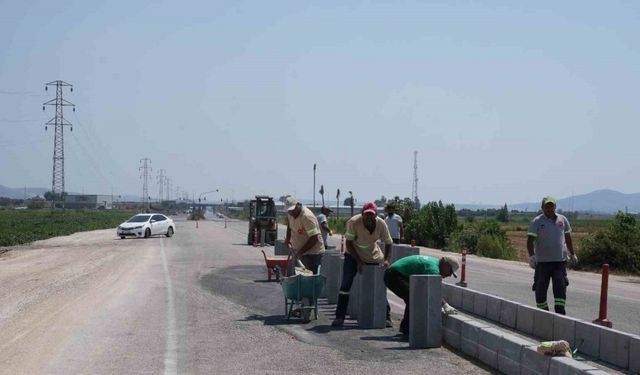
(303, 235)
(394, 223)
(363, 232)
(548, 236)
(397, 277)
(324, 225)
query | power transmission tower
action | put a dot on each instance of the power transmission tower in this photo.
(145, 169)
(167, 180)
(414, 187)
(160, 180)
(59, 122)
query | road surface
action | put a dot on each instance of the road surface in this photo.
(196, 303)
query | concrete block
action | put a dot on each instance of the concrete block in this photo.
(353, 308)
(543, 324)
(533, 362)
(507, 365)
(456, 296)
(614, 347)
(480, 304)
(372, 298)
(401, 251)
(596, 372)
(326, 271)
(524, 320)
(564, 328)
(451, 337)
(468, 297)
(508, 313)
(469, 338)
(511, 346)
(334, 278)
(279, 248)
(454, 322)
(588, 338)
(425, 327)
(634, 354)
(494, 305)
(568, 366)
(488, 346)
(447, 291)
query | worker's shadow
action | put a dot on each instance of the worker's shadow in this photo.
(387, 338)
(271, 320)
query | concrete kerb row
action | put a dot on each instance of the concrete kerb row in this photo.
(614, 347)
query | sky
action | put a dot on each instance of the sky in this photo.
(503, 101)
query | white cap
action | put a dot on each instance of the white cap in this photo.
(290, 203)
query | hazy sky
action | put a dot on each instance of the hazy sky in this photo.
(504, 102)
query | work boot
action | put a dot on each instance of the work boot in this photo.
(337, 322)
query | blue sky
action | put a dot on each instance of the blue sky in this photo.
(504, 102)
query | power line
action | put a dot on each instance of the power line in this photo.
(59, 122)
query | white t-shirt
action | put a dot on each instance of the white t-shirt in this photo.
(393, 222)
(323, 219)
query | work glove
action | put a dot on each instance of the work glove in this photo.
(448, 310)
(574, 259)
(533, 261)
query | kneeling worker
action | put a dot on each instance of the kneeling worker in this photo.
(396, 278)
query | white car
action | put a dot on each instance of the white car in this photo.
(147, 225)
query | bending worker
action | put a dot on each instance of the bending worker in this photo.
(397, 277)
(363, 232)
(303, 235)
(548, 236)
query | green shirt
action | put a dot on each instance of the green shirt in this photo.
(417, 265)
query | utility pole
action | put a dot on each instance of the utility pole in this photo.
(160, 180)
(314, 185)
(145, 170)
(414, 187)
(59, 122)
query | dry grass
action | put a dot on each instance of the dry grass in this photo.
(519, 241)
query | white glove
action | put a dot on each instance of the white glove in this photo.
(574, 259)
(448, 310)
(533, 261)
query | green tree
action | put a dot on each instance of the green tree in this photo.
(433, 225)
(618, 245)
(381, 202)
(503, 214)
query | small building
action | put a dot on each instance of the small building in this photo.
(87, 201)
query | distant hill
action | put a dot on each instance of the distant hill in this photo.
(600, 201)
(19, 193)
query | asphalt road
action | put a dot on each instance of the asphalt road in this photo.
(196, 303)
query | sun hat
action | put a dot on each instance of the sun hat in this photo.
(290, 203)
(453, 263)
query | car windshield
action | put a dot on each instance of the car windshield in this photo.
(139, 219)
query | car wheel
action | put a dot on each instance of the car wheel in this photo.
(147, 233)
(170, 232)
(122, 237)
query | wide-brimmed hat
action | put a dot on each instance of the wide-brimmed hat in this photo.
(453, 263)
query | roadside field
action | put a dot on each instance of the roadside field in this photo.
(24, 226)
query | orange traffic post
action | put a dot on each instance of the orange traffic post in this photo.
(463, 269)
(604, 295)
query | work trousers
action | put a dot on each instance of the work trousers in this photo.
(399, 285)
(312, 262)
(551, 272)
(349, 271)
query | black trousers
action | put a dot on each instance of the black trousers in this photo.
(554, 272)
(349, 271)
(399, 285)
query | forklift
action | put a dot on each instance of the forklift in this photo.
(262, 217)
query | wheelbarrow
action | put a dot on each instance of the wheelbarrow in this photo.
(276, 265)
(302, 291)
